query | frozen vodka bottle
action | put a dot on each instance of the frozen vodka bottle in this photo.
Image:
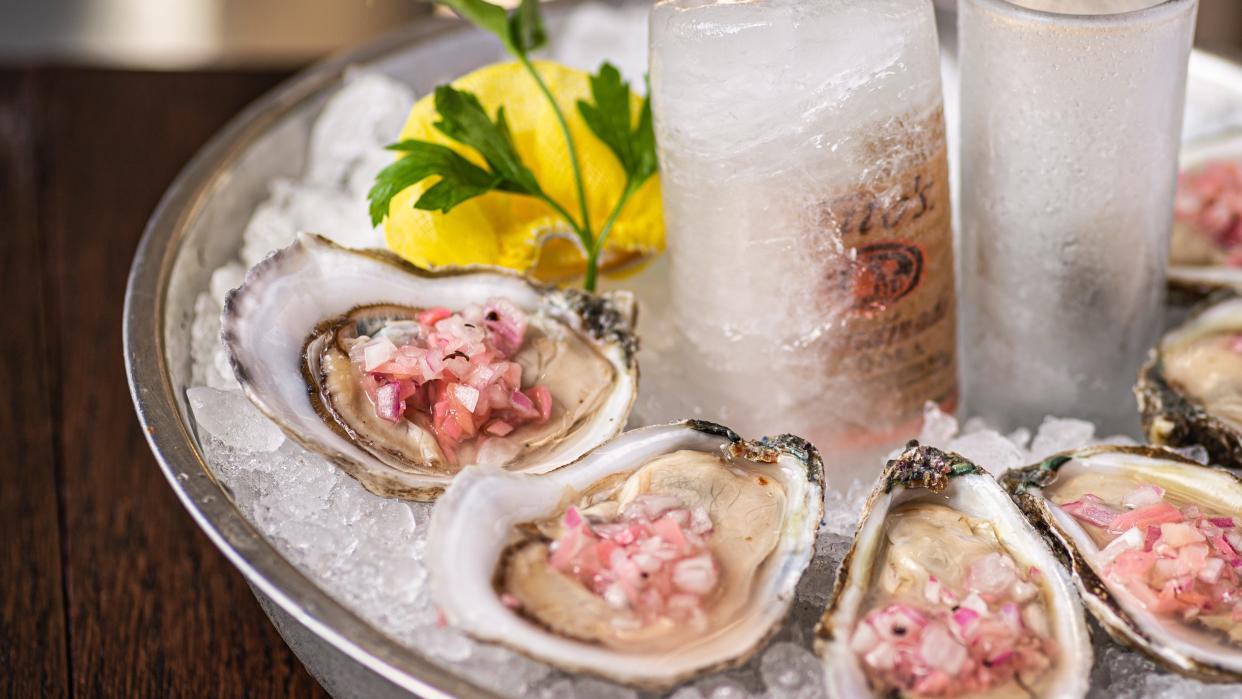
(806, 197)
(1071, 124)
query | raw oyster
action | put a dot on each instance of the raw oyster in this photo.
(1204, 247)
(949, 591)
(386, 370)
(1190, 390)
(670, 551)
(1152, 539)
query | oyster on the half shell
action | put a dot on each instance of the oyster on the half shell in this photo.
(1152, 539)
(1190, 390)
(1204, 245)
(669, 551)
(401, 376)
(949, 591)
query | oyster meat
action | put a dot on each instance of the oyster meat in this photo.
(948, 591)
(670, 551)
(1190, 391)
(1153, 540)
(401, 376)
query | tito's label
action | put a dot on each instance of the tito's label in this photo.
(890, 288)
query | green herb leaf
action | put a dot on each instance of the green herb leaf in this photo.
(487, 16)
(646, 160)
(526, 27)
(460, 179)
(521, 32)
(464, 120)
(609, 118)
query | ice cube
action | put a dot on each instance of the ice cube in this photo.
(603, 690)
(1060, 434)
(503, 670)
(204, 338)
(722, 688)
(792, 671)
(296, 208)
(1170, 686)
(225, 279)
(233, 419)
(357, 122)
(219, 373)
(938, 426)
(841, 509)
(990, 450)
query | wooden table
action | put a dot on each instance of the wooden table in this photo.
(107, 587)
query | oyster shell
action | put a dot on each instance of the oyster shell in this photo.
(1083, 499)
(289, 328)
(949, 591)
(1190, 390)
(521, 561)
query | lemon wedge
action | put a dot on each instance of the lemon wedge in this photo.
(520, 232)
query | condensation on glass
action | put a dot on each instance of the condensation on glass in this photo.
(1070, 135)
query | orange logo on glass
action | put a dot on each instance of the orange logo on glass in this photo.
(884, 273)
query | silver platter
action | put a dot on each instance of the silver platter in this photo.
(198, 226)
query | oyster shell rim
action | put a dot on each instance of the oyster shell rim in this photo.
(762, 450)
(1172, 418)
(605, 320)
(1098, 600)
(934, 471)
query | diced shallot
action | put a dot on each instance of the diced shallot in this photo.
(1146, 494)
(1159, 513)
(697, 575)
(651, 567)
(456, 374)
(388, 402)
(1091, 510)
(992, 574)
(1130, 540)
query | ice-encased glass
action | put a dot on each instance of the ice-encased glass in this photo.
(1070, 133)
(805, 185)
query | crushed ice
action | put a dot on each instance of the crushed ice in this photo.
(366, 551)
(998, 452)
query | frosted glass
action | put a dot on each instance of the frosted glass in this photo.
(1069, 147)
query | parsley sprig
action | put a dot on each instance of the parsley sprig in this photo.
(464, 120)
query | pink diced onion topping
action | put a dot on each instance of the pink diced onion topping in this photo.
(652, 560)
(453, 375)
(1173, 560)
(943, 649)
(1209, 201)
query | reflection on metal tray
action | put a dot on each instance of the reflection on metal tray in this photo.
(198, 226)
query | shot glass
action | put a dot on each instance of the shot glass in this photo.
(1070, 131)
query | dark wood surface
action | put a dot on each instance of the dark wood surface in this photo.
(107, 587)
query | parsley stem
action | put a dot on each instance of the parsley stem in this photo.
(595, 250)
(582, 236)
(584, 231)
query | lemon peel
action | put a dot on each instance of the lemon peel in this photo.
(516, 231)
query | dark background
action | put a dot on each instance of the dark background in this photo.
(107, 587)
